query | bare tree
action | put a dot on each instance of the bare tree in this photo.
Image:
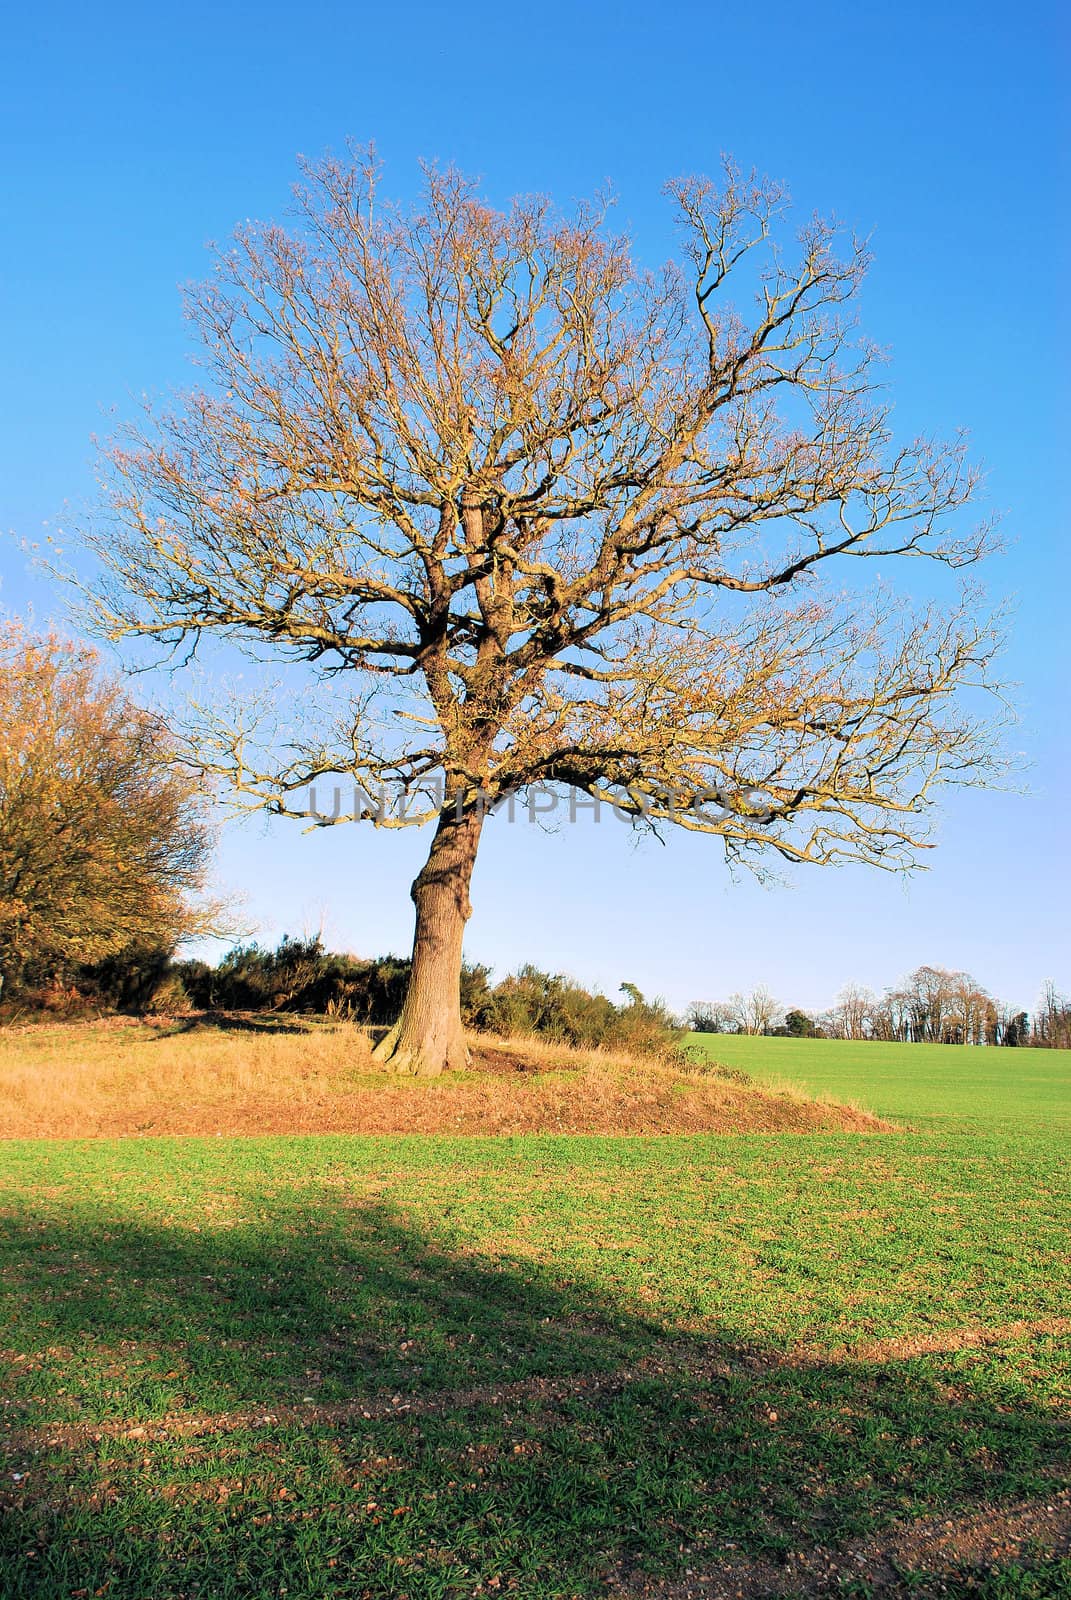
(1052, 1019)
(710, 1016)
(935, 1005)
(757, 1012)
(533, 515)
(927, 996)
(852, 1015)
(970, 1010)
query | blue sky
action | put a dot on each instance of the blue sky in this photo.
(132, 135)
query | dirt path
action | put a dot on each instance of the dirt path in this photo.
(677, 1362)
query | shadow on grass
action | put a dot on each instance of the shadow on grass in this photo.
(620, 1450)
(236, 1022)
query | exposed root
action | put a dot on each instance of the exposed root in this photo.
(420, 1059)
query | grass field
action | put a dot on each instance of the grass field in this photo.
(933, 1086)
(544, 1366)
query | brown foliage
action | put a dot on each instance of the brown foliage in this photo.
(101, 839)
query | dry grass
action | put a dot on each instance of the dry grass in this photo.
(260, 1075)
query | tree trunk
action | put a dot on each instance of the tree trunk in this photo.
(428, 1037)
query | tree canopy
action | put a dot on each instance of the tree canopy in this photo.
(534, 513)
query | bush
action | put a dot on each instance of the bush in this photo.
(300, 975)
(169, 998)
(128, 980)
(558, 1008)
(718, 1069)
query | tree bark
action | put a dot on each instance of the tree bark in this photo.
(428, 1037)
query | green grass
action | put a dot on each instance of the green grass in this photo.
(749, 1277)
(930, 1086)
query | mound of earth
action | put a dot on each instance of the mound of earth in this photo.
(236, 1076)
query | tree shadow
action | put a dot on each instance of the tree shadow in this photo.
(466, 1424)
(233, 1022)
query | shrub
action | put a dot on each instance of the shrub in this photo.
(559, 1008)
(170, 997)
(798, 1025)
(127, 980)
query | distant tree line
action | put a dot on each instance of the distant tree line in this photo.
(932, 1005)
